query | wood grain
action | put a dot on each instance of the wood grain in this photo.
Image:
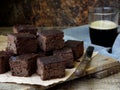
(107, 72)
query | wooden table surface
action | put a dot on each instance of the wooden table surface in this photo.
(85, 83)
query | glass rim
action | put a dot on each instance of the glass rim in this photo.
(102, 10)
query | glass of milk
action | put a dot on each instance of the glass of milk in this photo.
(103, 25)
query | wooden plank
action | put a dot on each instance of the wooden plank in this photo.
(107, 72)
(12, 86)
(100, 62)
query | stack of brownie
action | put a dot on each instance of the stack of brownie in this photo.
(23, 45)
(44, 52)
(50, 66)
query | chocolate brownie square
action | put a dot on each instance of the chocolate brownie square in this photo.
(67, 55)
(4, 62)
(49, 40)
(77, 47)
(20, 43)
(25, 29)
(50, 67)
(42, 53)
(23, 65)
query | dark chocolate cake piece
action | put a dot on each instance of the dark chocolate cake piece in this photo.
(21, 43)
(25, 29)
(42, 53)
(4, 62)
(49, 40)
(67, 55)
(77, 47)
(23, 65)
(50, 67)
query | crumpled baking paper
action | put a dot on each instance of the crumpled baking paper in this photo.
(34, 79)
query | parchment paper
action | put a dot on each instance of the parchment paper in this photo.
(34, 79)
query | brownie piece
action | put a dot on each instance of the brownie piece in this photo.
(49, 40)
(4, 62)
(25, 29)
(67, 55)
(23, 65)
(21, 43)
(77, 47)
(48, 53)
(41, 54)
(50, 67)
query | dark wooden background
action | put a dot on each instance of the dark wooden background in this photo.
(49, 12)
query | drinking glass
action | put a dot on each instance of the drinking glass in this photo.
(103, 25)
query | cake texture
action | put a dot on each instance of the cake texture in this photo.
(25, 29)
(21, 43)
(4, 62)
(42, 53)
(76, 46)
(49, 40)
(67, 55)
(23, 65)
(50, 67)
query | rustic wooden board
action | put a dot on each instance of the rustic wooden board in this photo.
(98, 64)
(107, 72)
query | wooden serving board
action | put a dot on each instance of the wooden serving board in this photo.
(100, 63)
(100, 66)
